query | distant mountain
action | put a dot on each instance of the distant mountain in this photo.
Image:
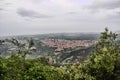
(69, 36)
(44, 50)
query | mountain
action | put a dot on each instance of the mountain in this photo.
(59, 40)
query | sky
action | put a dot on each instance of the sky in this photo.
(24, 17)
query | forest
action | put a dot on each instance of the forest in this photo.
(103, 63)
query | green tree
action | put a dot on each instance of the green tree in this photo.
(104, 62)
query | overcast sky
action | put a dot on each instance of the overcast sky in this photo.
(18, 17)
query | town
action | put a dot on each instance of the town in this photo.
(61, 44)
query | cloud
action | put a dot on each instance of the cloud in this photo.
(72, 13)
(36, 1)
(118, 13)
(105, 4)
(105, 9)
(8, 3)
(1, 9)
(31, 14)
(115, 17)
(1, 0)
(58, 16)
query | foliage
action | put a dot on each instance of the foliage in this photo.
(102, 64)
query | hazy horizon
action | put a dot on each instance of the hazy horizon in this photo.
(30, 17)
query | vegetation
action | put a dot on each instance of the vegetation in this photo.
(102, 64)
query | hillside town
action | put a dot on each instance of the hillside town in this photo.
(61, 44)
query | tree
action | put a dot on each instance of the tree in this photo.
(104, 62)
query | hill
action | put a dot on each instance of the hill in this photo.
(61, 47)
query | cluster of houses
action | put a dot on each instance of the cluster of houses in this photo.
(61, 44)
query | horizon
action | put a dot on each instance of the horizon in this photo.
(32, 17)
(118, 31)
(50, 33)
(47, 33)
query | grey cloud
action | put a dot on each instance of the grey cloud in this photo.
(72, 13)
(118, 13)
(1, 9)
(36, 1)
(105, 4)
(8, 3)
(116, 16)
(113, 18)
(31, 14)
(1, 0)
